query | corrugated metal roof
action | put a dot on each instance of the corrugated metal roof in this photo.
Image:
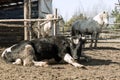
(3, 2)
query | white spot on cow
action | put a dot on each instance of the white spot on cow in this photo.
(41, 63)
(18, 62)
(28, 46)
(71, 61)
(3, 54)
(75, 41)
(68, 58)
(83, 38)
(7, 50)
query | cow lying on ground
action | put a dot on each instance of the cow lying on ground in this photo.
(35, 51)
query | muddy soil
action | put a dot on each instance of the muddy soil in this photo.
(103, 65)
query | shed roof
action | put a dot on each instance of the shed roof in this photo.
(3, 2)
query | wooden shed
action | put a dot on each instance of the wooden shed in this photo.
(10, 35)
(14, 9)
(16, 17)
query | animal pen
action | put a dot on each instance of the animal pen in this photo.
(16, 28)
(12, 30)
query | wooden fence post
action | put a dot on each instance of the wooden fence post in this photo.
(30, 32)
(55, 24)
(26, 8)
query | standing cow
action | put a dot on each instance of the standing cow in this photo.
(90, 26)
(35, 51)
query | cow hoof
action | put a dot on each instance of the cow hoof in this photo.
(88, 59)
(77, 65)
(90, 46)
(83, 67)
(27, 64)
(40, 63)
(17, 62)
(95, 47)
(85, 58)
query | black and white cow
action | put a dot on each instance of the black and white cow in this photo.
(35, 51)
(77, 45)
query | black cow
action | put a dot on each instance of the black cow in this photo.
(35, 51)
(77, 46)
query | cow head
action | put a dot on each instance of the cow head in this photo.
(77, 43)
(6, 55)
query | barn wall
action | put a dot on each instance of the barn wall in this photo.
(16, 12)
(11, 35)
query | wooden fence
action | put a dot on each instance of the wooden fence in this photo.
(106, 34)
(12, 33)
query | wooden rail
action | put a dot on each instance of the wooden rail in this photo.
(11, 25)
(27, 20)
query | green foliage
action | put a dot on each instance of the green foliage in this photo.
(115, 13)
(73, 19)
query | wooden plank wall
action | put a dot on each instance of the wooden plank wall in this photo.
(10, 35)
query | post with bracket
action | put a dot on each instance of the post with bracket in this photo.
(26, 11)
(55, 22)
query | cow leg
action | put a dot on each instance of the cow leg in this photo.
(91, 43)
(28, 55)
(92, 39)
(27, 61)
(18, 62)
(96, 40)
(95, 45)
(70, 60)
(40, 63)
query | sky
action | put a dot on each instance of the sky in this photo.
(67, 8)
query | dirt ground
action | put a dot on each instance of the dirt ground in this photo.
(104, 65)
